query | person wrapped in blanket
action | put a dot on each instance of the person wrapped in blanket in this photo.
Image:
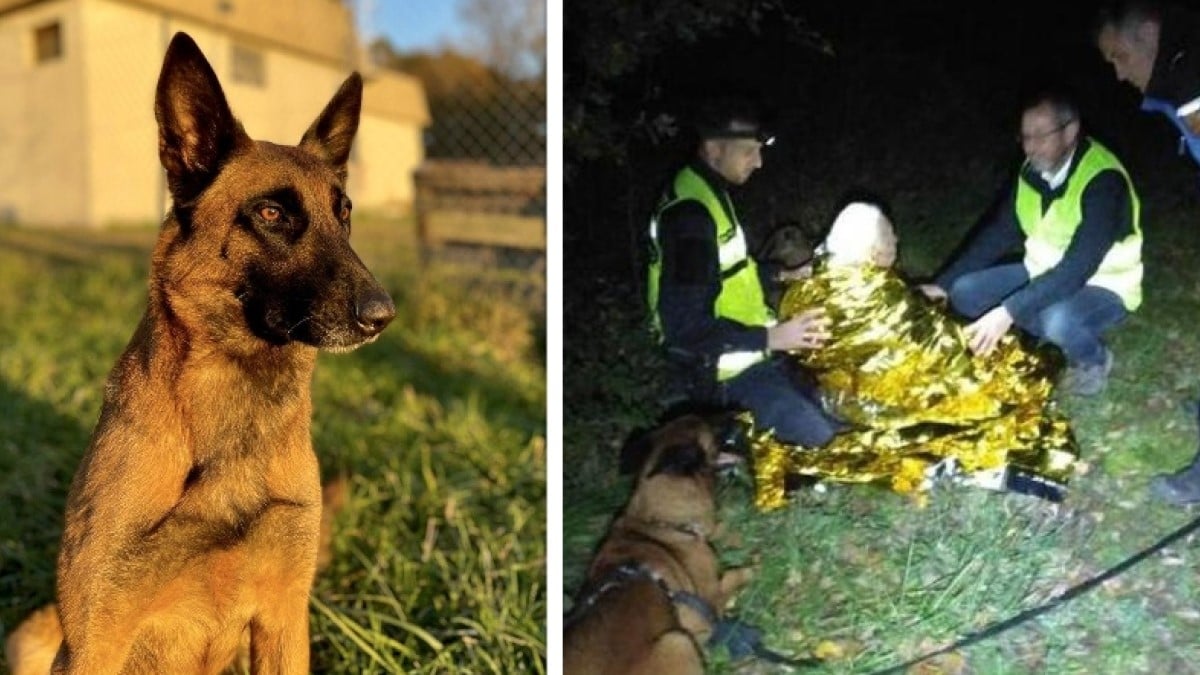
(897, 368)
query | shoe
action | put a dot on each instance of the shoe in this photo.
(732, 433)
(796, 482)
(1089, 379)
(1180, 488)
(728, 464)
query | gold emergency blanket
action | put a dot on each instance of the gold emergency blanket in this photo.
(898, 369)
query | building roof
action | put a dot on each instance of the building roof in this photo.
(395, 96)
(321, 29)
(317, 28)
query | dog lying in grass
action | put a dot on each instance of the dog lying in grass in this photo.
(655, 589)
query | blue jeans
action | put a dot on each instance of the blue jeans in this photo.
(778, 402)
(1074, 325)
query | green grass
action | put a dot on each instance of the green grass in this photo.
(439, 554)
(869, 574)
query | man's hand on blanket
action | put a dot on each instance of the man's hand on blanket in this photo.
(985, 333)
(807, 330)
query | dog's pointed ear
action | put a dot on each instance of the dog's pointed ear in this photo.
(686, 459)
(332, 134)
(196, 129)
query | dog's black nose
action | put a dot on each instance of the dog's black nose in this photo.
(374, 312)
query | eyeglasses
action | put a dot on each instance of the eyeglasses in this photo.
(1025, 138)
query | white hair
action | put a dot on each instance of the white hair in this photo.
(854, 234)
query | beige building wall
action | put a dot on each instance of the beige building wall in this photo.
(390, 143)
(323, 29)
(43, 174)
(124, 47)
(79, 146)
(387, 154)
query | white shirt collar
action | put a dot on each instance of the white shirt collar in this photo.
(1058, 177)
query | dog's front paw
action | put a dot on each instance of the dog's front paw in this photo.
(734, 579)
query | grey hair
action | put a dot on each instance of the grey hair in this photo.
(1064, 107)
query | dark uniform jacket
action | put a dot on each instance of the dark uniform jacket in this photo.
(691, 281)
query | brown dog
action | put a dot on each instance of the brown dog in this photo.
(655, 586)
(194, 516)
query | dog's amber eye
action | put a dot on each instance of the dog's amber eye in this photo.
(270, 213)
(345, 212)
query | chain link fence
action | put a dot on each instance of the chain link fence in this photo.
(484, 176)
(491, 119)
(483, 179)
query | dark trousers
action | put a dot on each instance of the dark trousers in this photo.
(1075, 324)
(779, 401)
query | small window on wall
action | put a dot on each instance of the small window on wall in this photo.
(47, 42)
(249, 66)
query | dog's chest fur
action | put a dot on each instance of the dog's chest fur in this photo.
(247, 435)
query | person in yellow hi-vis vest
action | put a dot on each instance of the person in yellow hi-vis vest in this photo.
(705, 296)
(1075, 211)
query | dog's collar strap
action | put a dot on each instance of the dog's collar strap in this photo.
(616, 577)
(632, 571)
(696, 604)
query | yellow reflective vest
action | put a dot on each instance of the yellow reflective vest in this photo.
(1047, 235)
(741, 297)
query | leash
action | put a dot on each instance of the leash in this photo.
(742, 640)
(738, 638)
(1058, 600)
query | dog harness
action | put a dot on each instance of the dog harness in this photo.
(629, 572)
